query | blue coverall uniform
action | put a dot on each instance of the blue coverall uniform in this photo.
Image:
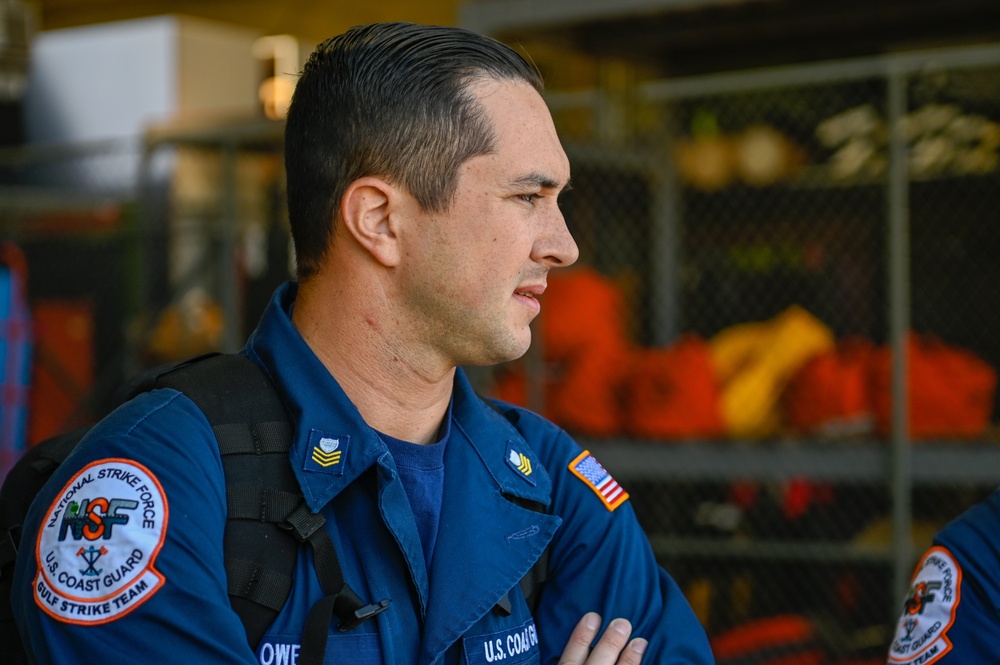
(952, 615)
(158, 453)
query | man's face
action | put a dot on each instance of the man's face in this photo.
(472, 274)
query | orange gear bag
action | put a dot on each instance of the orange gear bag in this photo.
(673, 392)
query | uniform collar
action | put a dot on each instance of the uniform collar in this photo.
(491, 541)
(508, 458)
(333, 445)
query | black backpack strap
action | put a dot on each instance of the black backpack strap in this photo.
(268, 518)
(254, 434)
(24, 480)
(22, 483)
(340, 599)
(533, 583)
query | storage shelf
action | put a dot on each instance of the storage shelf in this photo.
(769, 551)
(862, 462)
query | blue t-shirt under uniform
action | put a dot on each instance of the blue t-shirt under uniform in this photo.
(421, 469)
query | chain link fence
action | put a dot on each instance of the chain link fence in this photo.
(70, 212)
(754, 248)
(139, 251)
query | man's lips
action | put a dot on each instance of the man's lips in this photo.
(530, 290)
(527, 296)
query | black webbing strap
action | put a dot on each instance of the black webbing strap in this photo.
(533, 583)
(254, 435)
(267, 515)
(339, 598)
(265, 438)
(250, 581)
(264, 504)
(531, 587)
(22, 483)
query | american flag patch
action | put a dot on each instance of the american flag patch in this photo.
(589, 470)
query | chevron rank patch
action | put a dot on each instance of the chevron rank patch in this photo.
(327, 452)
(589, 470)
(519, 462)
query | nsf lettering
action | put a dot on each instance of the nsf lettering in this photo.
(94, 518)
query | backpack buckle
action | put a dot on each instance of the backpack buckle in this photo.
(363, 614)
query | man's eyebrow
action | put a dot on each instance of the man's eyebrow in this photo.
(539, 180)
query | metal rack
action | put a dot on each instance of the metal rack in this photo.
(864, 462)
(899, 465)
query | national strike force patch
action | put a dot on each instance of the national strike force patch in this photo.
(98, 543)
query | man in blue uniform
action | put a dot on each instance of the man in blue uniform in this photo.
(423, 175)
(951, 616)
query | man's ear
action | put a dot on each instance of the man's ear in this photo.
(367, 209)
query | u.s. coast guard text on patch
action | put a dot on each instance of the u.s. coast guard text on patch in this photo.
(98, 544)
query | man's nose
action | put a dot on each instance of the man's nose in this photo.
(555, 246)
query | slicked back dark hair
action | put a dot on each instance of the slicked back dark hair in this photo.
(392, 100)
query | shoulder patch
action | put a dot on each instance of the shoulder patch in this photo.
(98, 543)
(921, 636)
(589, 470)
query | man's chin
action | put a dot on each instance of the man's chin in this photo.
(502, 353)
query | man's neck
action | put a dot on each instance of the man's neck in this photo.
(393, 394)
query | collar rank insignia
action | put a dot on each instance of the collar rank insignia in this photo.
(589, 470)
(326, 452)
(519, 462)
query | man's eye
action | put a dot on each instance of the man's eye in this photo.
(529, 198)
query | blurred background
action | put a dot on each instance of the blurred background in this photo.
(780, 338)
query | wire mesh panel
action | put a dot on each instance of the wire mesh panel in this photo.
(754, 249)
(70, 210)
(141, 251)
